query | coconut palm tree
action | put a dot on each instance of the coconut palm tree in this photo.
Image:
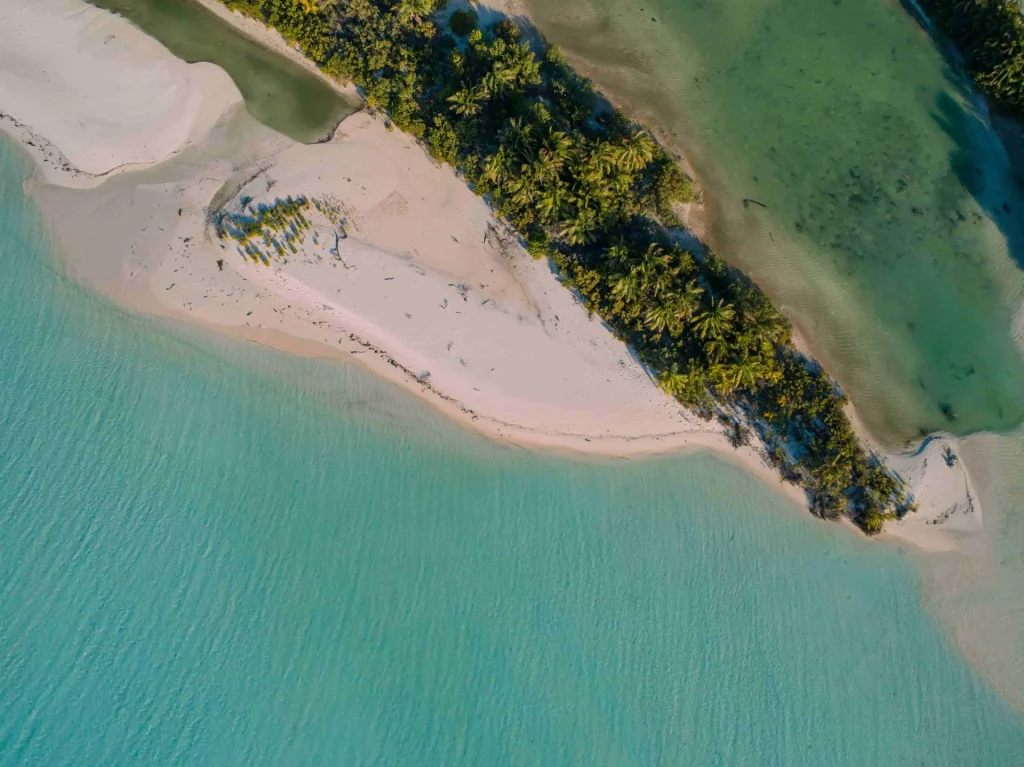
(498, 80)
(580, 229)
(834, 472)
(627, 286)
(521, 190)
(544, 169)
(745, 373)
(557, 146)
(465, 102)
(585, 170)
(517, 137)
(656, 255)
(635, 151)
(621, 255)
(661, 317)
(552, 201)
(768, 328)
(673, 382)
(716, 320)
(406, 10)
(605, 157)
(498, 168)
(688, 298)
(716, 349)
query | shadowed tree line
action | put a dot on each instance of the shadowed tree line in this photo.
(595, 194)
(989, 34)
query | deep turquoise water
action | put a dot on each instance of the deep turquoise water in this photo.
(216, 554)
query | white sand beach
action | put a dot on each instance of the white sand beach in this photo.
(89, 94)
(416, 281)
(949, 509)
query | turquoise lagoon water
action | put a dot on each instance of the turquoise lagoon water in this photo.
(212, 553)
(893, 232)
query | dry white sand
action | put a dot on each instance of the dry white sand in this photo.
(426, 288)
(89, 94)
(949, 509)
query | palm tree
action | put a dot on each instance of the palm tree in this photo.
(517, 136)
(465, 102)
(673, 382)
(716, 320)
(689, 299)
(628, 287)
(835, 472)
(768, 327)
(557, 146)
(745, 373)
(580, 229)
(605, 158)
(498, 168)
(406, 10)
(544, 168)
(522, 190)
(716, 349)
(621, 255)
(660, 317)
(635, 151)
(552, 201)
(496, 82)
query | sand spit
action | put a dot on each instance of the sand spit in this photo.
(89, 94)
(404, 270)
(949, 509)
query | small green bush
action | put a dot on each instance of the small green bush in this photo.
(538, 244)
(442, 141)
(670, 185)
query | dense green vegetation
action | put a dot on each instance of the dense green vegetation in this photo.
(990, 36)
(596, 194)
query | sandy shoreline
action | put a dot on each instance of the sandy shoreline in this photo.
(419, 283)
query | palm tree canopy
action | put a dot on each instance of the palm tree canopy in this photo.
(660, 317)
(672, 381)
(465, 102)
(580, 229)
(716, 320)
(635, 151)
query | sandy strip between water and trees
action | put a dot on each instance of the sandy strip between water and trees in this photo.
(404, 270)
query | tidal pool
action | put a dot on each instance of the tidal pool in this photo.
(279, 93)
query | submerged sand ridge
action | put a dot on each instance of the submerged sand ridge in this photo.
(413, 277)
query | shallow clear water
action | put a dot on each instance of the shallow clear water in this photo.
(844, 119)
(278, 93)
(893, 233)
(216, 554)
